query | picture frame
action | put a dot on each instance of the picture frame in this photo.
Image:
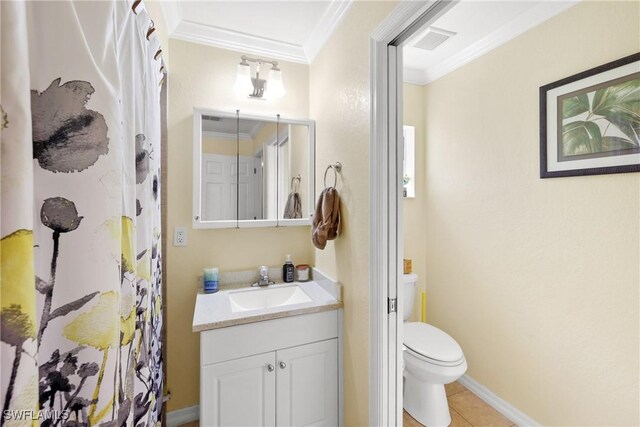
(590, 122)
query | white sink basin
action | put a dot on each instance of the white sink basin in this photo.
(266, 298)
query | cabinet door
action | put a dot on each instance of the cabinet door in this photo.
(239, 392)
(307, 385)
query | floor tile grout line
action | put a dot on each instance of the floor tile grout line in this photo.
(461, 416)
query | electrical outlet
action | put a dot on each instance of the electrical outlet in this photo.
(180, 236)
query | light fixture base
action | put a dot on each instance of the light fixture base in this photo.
(259, 86)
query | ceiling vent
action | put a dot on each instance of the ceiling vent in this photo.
(433, 38)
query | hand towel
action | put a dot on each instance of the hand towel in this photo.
(293, 208)
(326, 220)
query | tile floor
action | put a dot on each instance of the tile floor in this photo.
(467, 410)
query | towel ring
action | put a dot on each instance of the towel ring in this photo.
(337, 168)
(295, 183)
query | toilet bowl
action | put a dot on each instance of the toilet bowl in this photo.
(431, 359)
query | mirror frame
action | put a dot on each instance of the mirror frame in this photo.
(197, 223)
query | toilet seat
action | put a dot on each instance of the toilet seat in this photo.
(431, 344)
(430, 361)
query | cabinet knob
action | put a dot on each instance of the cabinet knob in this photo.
(270, 367)
(283, 365)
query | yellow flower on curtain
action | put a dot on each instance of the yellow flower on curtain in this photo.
(17, 295)
(99, 326)
(127, 305)
(128, 250)
(18, 313)
(128, 328)
(144, 267)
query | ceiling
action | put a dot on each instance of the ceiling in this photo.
(479, 26)
(296, 30)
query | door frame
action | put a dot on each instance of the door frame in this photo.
(385, 199)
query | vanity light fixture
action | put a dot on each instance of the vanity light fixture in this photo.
(256, 87)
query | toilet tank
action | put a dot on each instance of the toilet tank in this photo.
(409, 282)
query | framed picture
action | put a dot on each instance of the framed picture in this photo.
(590, 122)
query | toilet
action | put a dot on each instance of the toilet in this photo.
(431, 359)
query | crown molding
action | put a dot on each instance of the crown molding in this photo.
(172, 15)
(522, 23)
(234, 40)
(256, 128)
(334, 14)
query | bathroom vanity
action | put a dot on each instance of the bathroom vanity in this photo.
(270, 356)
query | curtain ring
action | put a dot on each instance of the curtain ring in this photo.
(152, 28)
(157, 54)
(135, 6)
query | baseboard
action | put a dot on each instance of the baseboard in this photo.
(505, 408)
(183, 416)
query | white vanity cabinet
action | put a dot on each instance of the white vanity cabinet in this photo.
(307, 385)
(281, 372)
(239, 392)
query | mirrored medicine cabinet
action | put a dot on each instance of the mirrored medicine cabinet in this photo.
(251, 170)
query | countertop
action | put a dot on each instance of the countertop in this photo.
(213, 311)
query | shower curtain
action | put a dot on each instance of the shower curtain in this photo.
(80, 255)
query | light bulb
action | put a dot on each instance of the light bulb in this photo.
(274, 84)
(243, 84)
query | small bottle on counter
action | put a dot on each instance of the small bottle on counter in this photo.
(287, 270)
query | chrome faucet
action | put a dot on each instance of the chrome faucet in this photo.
(264, 277)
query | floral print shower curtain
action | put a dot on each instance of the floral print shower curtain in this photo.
(80, 296)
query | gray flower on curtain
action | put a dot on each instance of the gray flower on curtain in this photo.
(142, 159)
(4, 121)
(67, 137)
(60, 214)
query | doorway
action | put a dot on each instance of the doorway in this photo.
(386, 190)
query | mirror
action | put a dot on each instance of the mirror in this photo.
(252, 171)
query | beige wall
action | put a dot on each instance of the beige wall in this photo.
(536, 279)
(226, 146)
(231, 249)
(340, 102)
(413, 208)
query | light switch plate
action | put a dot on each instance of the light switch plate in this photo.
(180, 236)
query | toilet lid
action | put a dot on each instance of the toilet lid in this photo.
(431, 342)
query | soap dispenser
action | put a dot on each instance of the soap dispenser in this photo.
(287, 270)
